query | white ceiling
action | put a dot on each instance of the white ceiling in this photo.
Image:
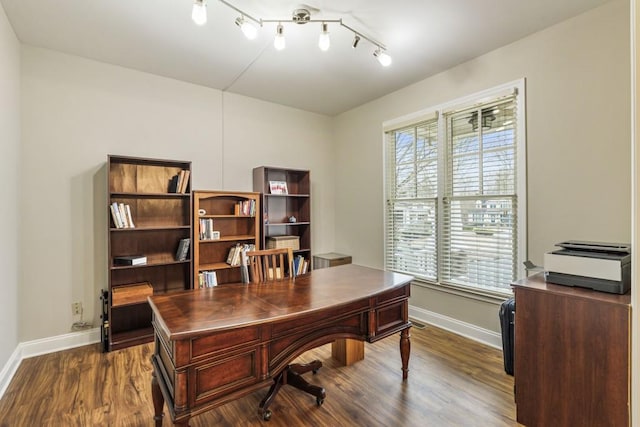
(423, 37)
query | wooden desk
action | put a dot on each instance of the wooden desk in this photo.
(215, 345)
(571, 355)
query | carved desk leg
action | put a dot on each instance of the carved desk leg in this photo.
(158, 400)
(405, 349)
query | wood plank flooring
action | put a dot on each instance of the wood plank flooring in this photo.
(452, 381)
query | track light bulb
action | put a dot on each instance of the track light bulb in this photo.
(199, 12)
(248, 29)
(356, 40)
(324, 42)
(279, 42)
(382, 57)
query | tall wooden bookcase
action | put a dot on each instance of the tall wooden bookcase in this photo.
(223, 211)
(287, 214)
(161, 218)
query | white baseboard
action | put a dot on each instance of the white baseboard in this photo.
(9, 370)
(484, 336)
(33, 348)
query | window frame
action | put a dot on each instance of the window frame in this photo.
(440, 113)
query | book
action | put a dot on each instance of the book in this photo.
(183, 249)
(185, 181)
(123, 215)
(117, 217)
(114, 216)
(173, 184)
(130, 260)
(129, 217)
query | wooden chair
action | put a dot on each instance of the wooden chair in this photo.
(270, 265)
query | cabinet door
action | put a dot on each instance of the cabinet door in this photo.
(571, 360)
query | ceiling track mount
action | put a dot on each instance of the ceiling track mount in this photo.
(301, 16)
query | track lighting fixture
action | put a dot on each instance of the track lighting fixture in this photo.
(383, 58)
(248, 29)
(249, 26)
(324, 42)
(199, 12)
(279, 42)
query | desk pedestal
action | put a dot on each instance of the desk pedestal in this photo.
(347, 351)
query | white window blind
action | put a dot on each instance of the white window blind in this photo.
(479, 215)
(453, 186)
(412, 189)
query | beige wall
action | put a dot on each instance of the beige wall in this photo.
(76, 111)
(578, 133)
(9, 161)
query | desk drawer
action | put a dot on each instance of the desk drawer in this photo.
(390, 317)
(225, 341)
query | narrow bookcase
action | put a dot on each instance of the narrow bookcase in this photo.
(222, 220)
(286, 204)
(157, 215)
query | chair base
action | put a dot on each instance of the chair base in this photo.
(292, 375)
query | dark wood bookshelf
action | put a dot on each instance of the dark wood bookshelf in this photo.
(279, 208)
(161, 217)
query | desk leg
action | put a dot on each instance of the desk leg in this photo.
(158, 400)
(405, 349)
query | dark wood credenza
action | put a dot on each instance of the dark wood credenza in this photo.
(571, 355)
(218, 344)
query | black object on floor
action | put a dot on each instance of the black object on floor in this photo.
(507, 324)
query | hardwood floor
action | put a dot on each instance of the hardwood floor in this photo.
(452, 381)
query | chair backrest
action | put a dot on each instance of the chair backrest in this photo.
(269, 265)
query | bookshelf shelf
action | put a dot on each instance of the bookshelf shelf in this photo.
(232, 238)
(160, 220)
(279, 208)
(222, 216)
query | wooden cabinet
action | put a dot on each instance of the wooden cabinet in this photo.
(285, 212)
(222, 220)
(571, 355)
(330, 259)
(157, 218)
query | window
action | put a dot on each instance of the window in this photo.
(455, 192)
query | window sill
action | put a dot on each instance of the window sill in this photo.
(493, 297)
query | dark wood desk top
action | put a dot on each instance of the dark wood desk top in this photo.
(537, 282)
(190, 313)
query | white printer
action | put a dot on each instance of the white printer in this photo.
(599, 266)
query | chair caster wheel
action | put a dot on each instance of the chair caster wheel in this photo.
(315, 371)
(266, 415)
(319, 401)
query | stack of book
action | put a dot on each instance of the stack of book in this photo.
(206, 230)
(235, 253)
(300, 265)
(207, 279)
(245, 208)
(121, 215)
(180, 182)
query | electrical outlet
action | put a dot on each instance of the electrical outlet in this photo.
(76, 308)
